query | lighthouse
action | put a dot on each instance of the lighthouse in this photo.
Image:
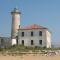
(15, 24)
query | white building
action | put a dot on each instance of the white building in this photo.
(34, 35)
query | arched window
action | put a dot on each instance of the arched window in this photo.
(40, 33)
(31, 33)
(22, 34)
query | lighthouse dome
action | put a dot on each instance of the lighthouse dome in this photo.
(16, 11)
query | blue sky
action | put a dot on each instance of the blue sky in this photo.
(41, 12)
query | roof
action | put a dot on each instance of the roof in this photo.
(15, 11)
(34, 26)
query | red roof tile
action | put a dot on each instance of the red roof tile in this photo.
(34, 26)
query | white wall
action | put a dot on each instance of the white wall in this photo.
(13, 41)
(48, 39)
(27, 37)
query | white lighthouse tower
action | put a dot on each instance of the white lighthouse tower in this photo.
(15, 25)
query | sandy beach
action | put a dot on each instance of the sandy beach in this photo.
(30, 57)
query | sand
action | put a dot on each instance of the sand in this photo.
(30, 57)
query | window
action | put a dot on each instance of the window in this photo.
(40, 33)
(32, 33)
(22, 42)
(40, 42)
(22, 34)
(32, 42)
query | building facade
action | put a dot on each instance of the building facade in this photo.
(34, 35)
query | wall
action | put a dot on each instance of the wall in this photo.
(27, 38)
(5, 43)
(48, 39)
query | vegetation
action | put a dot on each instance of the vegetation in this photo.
(20, 50)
